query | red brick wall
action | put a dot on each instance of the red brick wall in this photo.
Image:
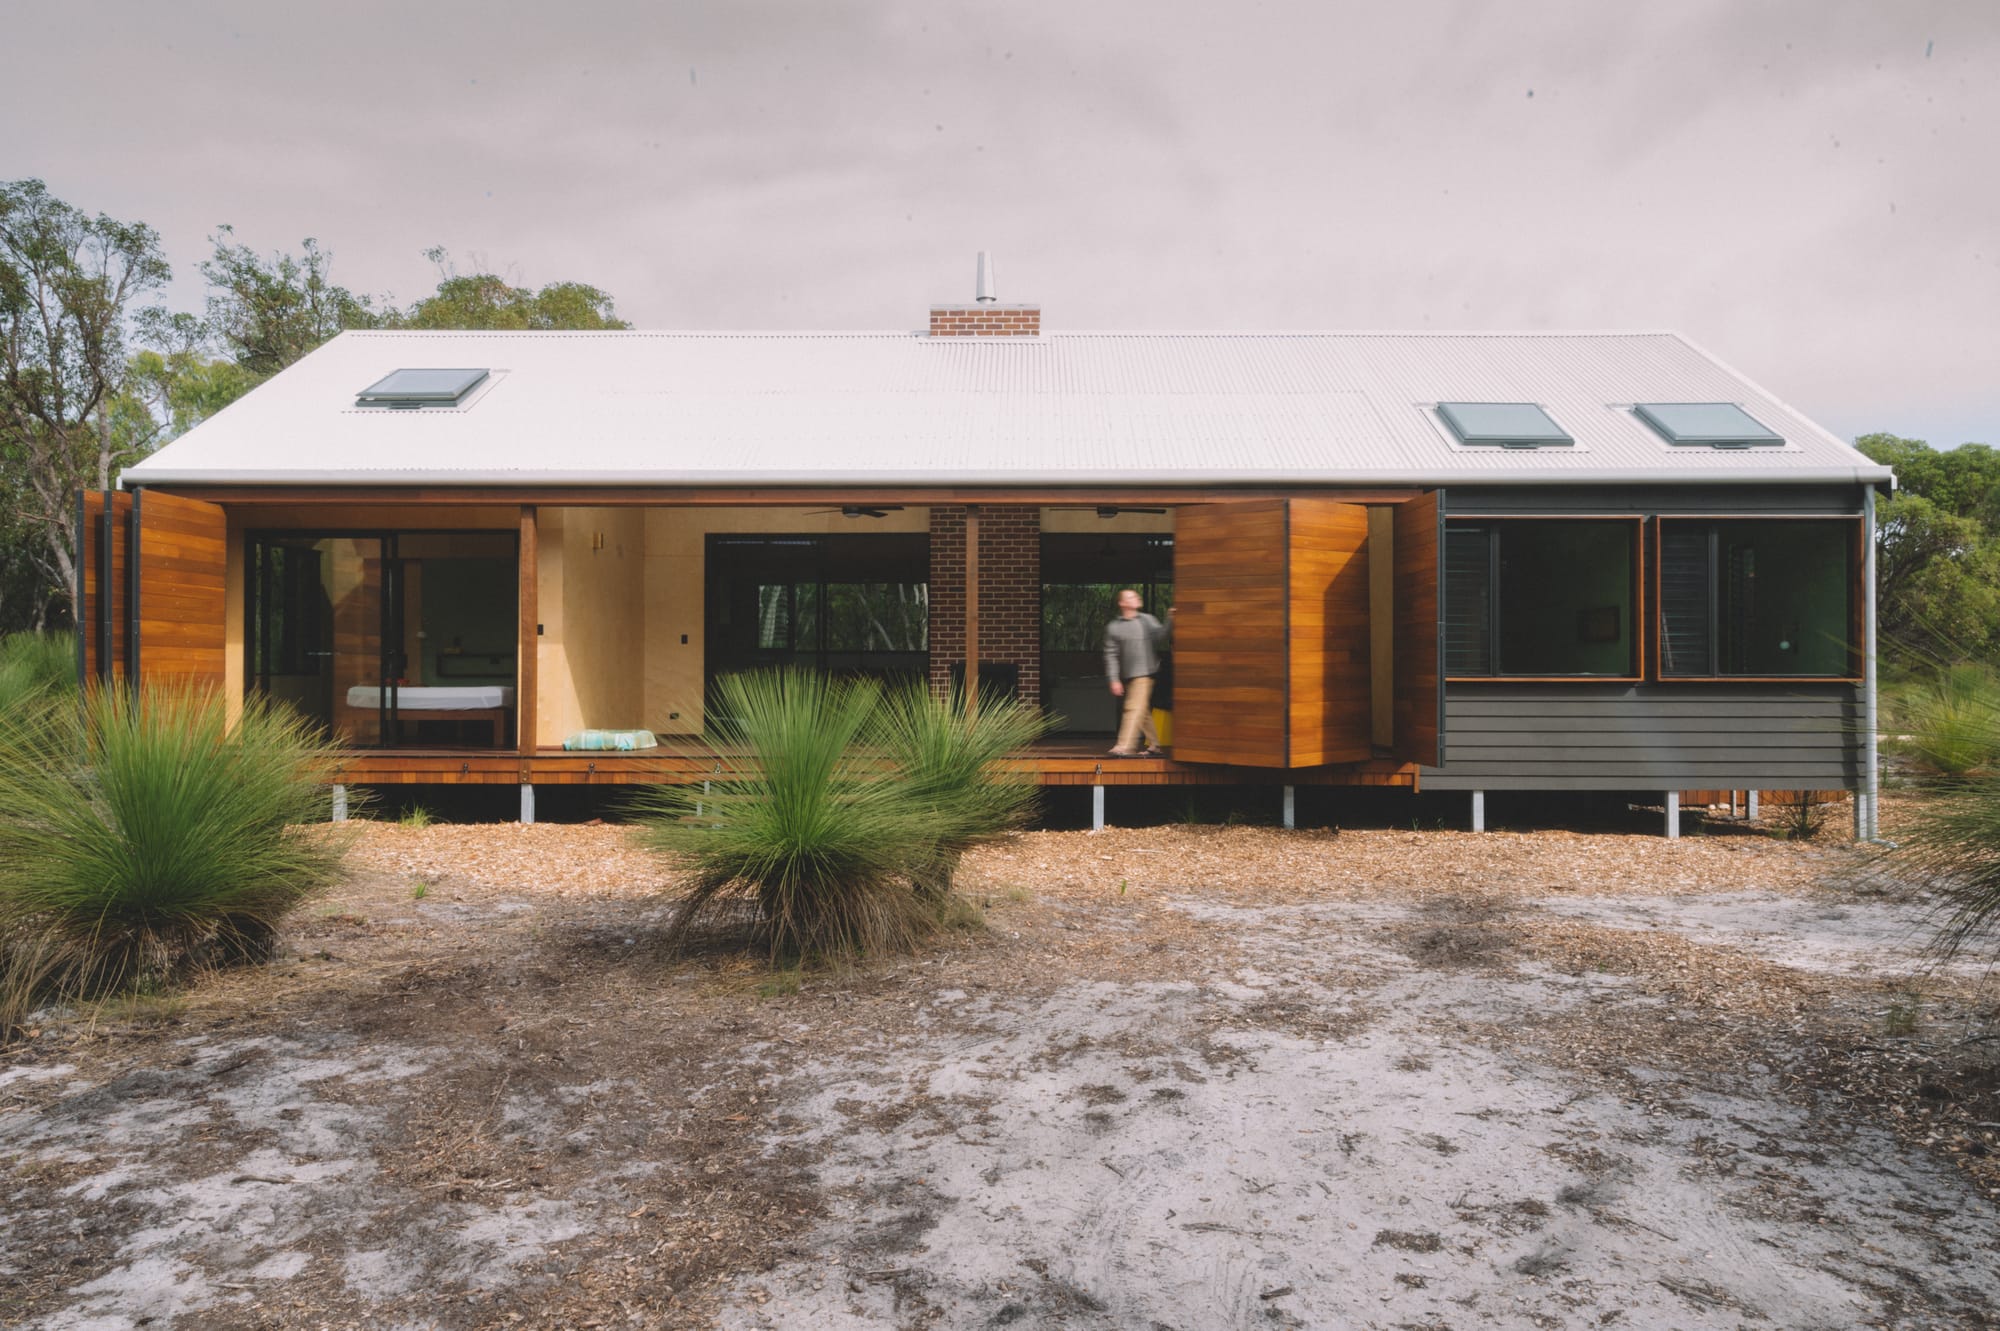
(986, 320)
(1010, 592)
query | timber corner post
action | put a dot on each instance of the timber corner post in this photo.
(527, 681)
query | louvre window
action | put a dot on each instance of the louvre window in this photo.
(1540, 598)
(1758, 596)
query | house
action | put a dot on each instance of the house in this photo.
(1454, 561)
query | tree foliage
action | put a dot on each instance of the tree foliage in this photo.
(1938, 550)
(92, 378)
(69, 282)
(487, 300)
(266, 314)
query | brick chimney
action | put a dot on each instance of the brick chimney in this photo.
(986, 316)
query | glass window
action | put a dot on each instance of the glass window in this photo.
(1706, 425)
(1503, 425)
(1757, 596)
(877, 617)
(849, 604)
(1540, 597)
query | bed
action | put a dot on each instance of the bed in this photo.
(451, 702)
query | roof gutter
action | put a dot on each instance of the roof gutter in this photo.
(141, 475)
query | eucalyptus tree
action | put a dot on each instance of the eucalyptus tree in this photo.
(70, 283)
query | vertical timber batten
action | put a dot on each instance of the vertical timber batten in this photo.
(528, 677)
(106, 563)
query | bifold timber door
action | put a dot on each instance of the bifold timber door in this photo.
(151, 577)
(1271, 633)
(181, 549)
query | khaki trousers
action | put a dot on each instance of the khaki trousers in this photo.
(1137, 718)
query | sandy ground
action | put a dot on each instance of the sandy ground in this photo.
(1189, 1078)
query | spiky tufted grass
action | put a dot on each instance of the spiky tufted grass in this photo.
(1951, 844)
(35, 666)
(948, 763)
(1952, 718)
(139, 841)
(838, 813)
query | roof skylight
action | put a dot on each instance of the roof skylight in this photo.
(1503, 425)
(1706, 425)
(411, 389)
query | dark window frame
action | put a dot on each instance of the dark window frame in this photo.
(1856, 593)
(1635, 672)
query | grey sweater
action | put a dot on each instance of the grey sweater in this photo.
(1132, 647)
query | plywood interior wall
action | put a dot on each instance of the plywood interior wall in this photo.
(234, 635)
(592, 608)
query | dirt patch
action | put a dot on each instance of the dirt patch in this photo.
(1185, 1077)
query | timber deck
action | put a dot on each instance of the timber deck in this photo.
(1080, 762)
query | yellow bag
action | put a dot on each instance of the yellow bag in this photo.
(1163, 725)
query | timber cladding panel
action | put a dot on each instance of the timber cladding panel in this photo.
(1231, 608)
(1272, 633)
(181, 588)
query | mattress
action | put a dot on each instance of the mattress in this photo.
(434, 697)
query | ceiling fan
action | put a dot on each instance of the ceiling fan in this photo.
(857, 510)
(1106, 510)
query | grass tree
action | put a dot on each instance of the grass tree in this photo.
(947, 763)
(839, 811)
(137, 841)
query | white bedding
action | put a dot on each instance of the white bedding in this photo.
(435, 697)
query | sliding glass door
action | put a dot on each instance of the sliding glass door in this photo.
(386, 639)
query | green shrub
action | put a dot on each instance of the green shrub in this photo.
(1951, 844)
(136, 841)
(945, 763)
(839, 813)
(35, 665)
(1952, 718)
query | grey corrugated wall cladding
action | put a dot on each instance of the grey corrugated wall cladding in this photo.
(1582, 736)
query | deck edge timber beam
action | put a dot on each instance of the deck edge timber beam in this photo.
(556, 767)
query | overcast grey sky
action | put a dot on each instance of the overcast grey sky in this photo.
(1810, 190)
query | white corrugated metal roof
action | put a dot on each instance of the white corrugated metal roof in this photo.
(1061, 409)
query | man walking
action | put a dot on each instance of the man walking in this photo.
(1133, 644)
